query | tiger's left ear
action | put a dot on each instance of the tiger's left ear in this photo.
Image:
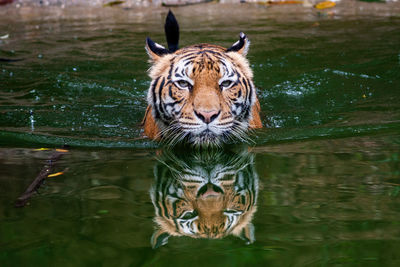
(241, 46)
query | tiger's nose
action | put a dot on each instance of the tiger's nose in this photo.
(209, 190)
(207, 116)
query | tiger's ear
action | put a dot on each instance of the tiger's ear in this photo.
(247, 234)
(159, 238)
(154, 50)
(171, 29)
(241, 46)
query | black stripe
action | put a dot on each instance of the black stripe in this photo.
(176, 225)
(171, 66)
(223, 64)
(246, 112)
(238, 105)
(164, 189)
(212, 52)
(250, 93)
(159, 188)
(153, 91)
(156, 202)
(189, 56)
(174, 103)
(160, 96)
(165, 210)
(244, 81)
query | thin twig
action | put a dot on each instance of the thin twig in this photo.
(34, 186)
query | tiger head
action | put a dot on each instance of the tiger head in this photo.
(201, 94)
(200, 195)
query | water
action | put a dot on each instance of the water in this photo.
(325, 171)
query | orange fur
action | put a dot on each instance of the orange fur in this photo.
(150, 127)
(206, 95)
(255, 122)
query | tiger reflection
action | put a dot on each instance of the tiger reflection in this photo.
(204, 195)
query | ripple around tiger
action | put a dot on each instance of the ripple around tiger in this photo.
(201, 94)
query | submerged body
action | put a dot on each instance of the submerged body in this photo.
(202, 94)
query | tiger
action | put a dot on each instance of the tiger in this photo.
(204, 195)
(201, 94)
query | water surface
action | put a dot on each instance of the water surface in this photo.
(325, 170)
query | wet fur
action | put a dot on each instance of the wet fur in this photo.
(171, 113)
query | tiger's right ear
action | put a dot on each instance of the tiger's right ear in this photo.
(241, 46)
(154, 50)
(159, 238)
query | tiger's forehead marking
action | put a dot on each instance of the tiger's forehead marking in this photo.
(202, 58)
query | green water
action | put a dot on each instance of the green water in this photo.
(327, 163)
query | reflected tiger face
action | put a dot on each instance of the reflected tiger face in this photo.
(201, 94)
(204, 196)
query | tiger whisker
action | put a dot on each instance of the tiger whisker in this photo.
(239, 130)
(176, 137)
(168, 131)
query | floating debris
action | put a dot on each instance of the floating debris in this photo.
(171, 3)
(38, 181)
(55, 174)
(283, 2)
(57, 149)
(325, 4)
(113, 3)
(62, 150)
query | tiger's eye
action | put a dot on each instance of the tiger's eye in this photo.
(183, 84)
(230, 211)
(234, 212)
(189, 215)
(226, 84)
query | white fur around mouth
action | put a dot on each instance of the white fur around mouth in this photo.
(199, 134)
(205, 137)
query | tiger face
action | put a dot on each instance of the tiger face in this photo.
(204, 196)
(202, 94)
